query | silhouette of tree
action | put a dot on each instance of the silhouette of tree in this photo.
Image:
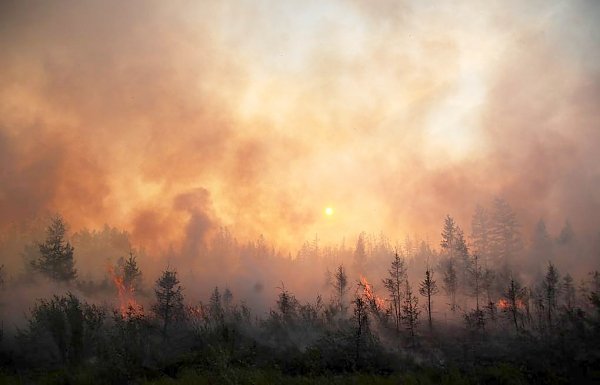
(340, 284)
(410, 312)
(394, 282)
(551, 290)
(428, 288)
(56, 260)
(514, 298)
(169, 300)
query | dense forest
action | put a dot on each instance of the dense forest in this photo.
(483, 306)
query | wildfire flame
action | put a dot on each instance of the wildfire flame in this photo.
(504, 304)
(126, 293)
(369, 293)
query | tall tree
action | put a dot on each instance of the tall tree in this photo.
(169, 300)
(410, 312)
(132, 274)
(568, 290)
(56, 259)
(450, 281)
(448, 242)
(475, 274)
(394, 283)
(514, 297)
(551, 290)
(360, 253)
(361, 326)
(428, 288)
(480, 234)
(340, 284)
(504, 234)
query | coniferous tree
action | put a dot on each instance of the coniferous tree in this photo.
(360, 253)
(340, 284)
(505, 239)
(428, 288)
(410, 312)
(1, 277)
(480, 234)
(568, 290)
(514, 298)
(475, 278)
(361, 326)
(169, 300)
(448, 242)
(56, 259)
(215, 308)
(551, 291)
(394, 283)
(132, 274)
(450, 281)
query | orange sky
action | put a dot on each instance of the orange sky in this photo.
(169, 119)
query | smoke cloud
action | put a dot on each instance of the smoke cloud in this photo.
(171, 120)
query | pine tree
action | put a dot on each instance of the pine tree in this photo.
(568, 289)
(448, 242)
(394, 283)
(360, 253)
(428, 288)
(361, 326)
(132, 274)
(505, 239)
(480, 234)
(450, 281)
(475, 273)
(56, 260)
(410, 312)
(169, 300)
(551, 291)
(514, 297)
(340, 284)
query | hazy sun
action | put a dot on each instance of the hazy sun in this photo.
(328, 211)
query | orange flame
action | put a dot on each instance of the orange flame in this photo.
(504, 304)
(125, 293)
(369, 293)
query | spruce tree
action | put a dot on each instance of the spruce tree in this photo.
(169, 300)
(56, 259)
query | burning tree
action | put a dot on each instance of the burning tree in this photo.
(56, 260)
(428, 288)
(132, 275)
(397, 275)
(513, 301)
(169, 299)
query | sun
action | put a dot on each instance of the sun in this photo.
(328, 211)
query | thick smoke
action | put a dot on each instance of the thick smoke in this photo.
(170, 121)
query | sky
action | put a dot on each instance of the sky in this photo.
(172, 119)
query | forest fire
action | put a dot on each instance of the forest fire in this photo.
(125, 293)
(369, 293)
(504, 304)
